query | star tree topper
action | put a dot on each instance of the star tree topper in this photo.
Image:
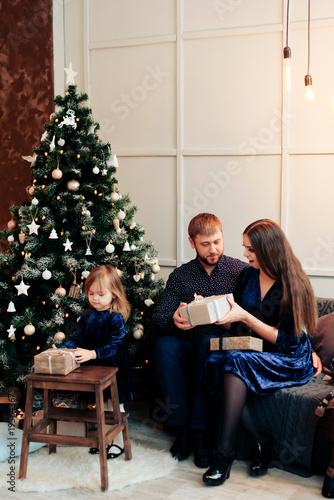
(70, 75)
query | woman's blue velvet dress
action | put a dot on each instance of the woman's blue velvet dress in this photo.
(285, 364)
(105, 333)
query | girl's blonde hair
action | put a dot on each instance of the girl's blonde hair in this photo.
(108, 276)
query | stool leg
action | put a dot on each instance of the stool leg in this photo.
(26, 428)
(101, 434)
(118, 418)
(46, 410)
(126, 440)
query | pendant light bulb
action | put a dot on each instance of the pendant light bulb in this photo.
(309, 90)
(287, 59)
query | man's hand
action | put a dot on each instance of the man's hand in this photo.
(82, 355)
(180, 322)
(317, 364)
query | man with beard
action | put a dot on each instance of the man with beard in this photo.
(180, 349)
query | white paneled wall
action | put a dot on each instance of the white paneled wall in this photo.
(191, 95)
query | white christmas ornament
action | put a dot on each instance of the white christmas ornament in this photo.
(46, 274)
(148, 302)
(33, 227)
(30, 159)
(136, 277)
(126, 247)
(11, 331)
(69, 119)
(88, 251)
(110, 248)
(52, 144)
(113, 161)
(29, 329)
(85, 273)
(44, 136)
(114, 196)
(53, 235)
(133, 247)
(96, 170)
(10, 238)
(121, 215)
(155, 268)
(104, 171)
(22, 288)
(68, 245)
(34, 201)
(11, 307)
(61, 142)
(70, 74)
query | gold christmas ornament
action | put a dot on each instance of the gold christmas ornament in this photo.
(22, 237)
(73, 185)
(59, 337)
(11, 224)
(57, 173)
(29, 329)
(138, 333)
(60, 291)
(116, 223)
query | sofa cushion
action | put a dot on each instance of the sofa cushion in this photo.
(323, 339)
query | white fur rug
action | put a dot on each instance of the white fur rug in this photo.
(74, 467)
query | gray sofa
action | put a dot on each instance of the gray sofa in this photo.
(300, 443)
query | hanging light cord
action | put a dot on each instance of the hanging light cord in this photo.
(308, 37)
(287, 24)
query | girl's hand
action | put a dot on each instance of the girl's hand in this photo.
(236, 313)
(54, 347)
(82, 355)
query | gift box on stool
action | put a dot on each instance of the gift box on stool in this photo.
(245, 343)
(206, 311)
(55, 362)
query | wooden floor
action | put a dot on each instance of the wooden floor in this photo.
(186, 482)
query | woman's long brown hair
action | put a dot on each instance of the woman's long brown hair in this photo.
(277, 260)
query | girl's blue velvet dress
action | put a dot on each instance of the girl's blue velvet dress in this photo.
(285, 364)
(105, 333)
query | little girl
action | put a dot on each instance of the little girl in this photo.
(99, 338)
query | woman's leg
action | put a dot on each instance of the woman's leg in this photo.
(232, 405)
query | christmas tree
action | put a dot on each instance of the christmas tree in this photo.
(76, 219)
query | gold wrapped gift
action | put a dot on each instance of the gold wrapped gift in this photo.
(206, 311)
(246, 343)
(55, 362)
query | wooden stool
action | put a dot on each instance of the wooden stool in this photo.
(84, 379)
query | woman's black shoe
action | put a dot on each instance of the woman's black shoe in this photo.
(262, 456)
(220, 469)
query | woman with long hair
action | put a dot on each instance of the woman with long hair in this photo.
(274, 300)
